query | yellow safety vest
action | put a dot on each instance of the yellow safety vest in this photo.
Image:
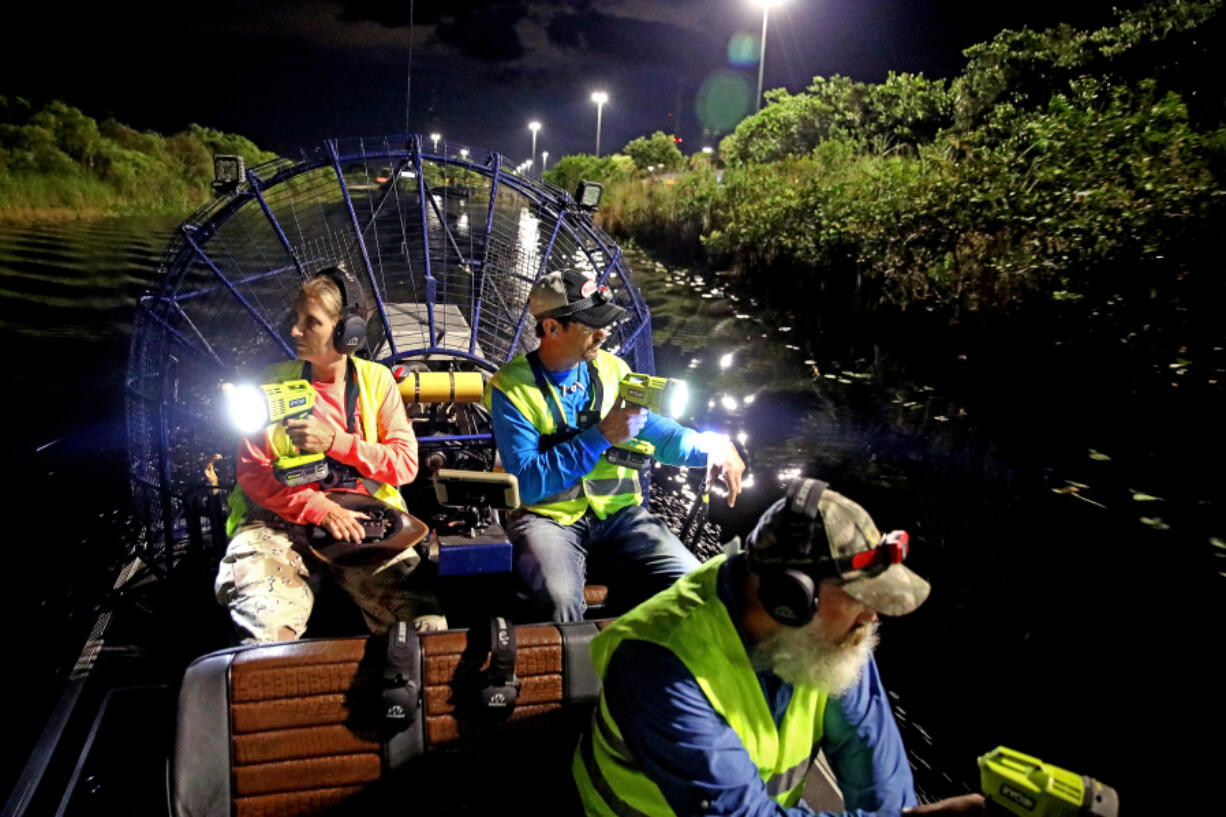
(374, 380)
(607, 488)
(690, 620)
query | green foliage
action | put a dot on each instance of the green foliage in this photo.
(1053, 185)
(57, 159)
(905, 111)
(658, 150)
(568, 171)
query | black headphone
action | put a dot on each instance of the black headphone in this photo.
(350, 332)
(489, 694)
(784, 564)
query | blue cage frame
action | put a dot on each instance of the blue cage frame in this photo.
(446, 239)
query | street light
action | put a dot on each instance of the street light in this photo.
(707, 149)
(766, 7)
(600, 98)
(434, 137)
(463, 153)
(544, 159)
(534, 127)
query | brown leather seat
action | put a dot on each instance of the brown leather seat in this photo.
(294, 729)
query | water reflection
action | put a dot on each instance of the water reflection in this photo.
(1033, 545)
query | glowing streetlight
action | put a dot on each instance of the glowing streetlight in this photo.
(707, 149)
(766, 7)
(463, 153)
(534, 127)
(600, 98)
(544, 159)
(434, 137)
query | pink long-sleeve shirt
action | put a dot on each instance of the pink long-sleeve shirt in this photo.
(392, 460)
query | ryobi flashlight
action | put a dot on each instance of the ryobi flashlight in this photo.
(254, 407)
(663, 395)
(1023, 785)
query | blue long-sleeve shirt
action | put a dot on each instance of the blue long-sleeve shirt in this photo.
(544, 474)
(699, 762)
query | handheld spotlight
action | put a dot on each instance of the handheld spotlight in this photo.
(663, 395)
(1023, 785)
(255, 407)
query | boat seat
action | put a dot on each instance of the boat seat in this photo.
(294, 729)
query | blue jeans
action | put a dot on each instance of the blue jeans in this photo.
(634, 548)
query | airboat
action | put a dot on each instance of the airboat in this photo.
(160, 715)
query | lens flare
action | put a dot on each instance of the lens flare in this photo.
(743, 49)
(723, 100)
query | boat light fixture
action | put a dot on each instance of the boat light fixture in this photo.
(588, 194)
(228, 172)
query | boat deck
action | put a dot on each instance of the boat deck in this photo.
(410, 323)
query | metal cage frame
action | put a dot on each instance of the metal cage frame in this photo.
(227, 277)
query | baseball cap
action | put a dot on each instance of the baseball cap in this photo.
(574, 295)
(840, 529)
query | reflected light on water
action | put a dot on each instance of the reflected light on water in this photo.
(527, 247)
(729, 402)
(725, 361)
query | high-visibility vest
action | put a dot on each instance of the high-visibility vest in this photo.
(607, 488)
(689, 620)
(374, 381)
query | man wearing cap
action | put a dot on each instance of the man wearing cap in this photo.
(556, 412)
(718, 692)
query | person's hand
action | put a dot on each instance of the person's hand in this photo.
(963, 804)
(343, 524)
(729, 470)
(623, 422)
(310, 434)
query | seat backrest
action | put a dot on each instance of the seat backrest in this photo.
(295, 728)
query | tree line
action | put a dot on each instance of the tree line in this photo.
(1059, 165)
(55, 161)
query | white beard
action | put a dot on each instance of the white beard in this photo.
(805, 656)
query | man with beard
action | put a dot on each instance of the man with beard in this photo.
(718, 692)
(556, 413)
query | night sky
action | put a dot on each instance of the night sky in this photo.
(288, 75)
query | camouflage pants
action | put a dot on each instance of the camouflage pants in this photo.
(263, 581)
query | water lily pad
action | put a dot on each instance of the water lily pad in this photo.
(1099, 456)
(1154, 522)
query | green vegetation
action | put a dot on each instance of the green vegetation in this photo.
(58, 162)
(1061, 168)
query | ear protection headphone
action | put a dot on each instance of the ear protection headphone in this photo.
(350, 332)
(490, 694)
(788, 591)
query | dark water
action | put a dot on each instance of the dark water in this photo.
(67, 297)
(1075, 544)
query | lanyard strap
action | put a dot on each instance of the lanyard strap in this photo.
(547, 389)
(351, 392)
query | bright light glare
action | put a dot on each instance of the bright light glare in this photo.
(600, 97)
(767, 4)
(725, 361)
(728, 402)
(534, 126)
(247, 406)
(434, 137)
(708, 149)
(742, 437)
(678, 398)
(464, 153)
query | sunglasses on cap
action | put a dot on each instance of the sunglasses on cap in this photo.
(892, 550)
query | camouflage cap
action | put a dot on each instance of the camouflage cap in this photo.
(789, 539)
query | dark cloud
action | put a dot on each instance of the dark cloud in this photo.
(623, 38)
